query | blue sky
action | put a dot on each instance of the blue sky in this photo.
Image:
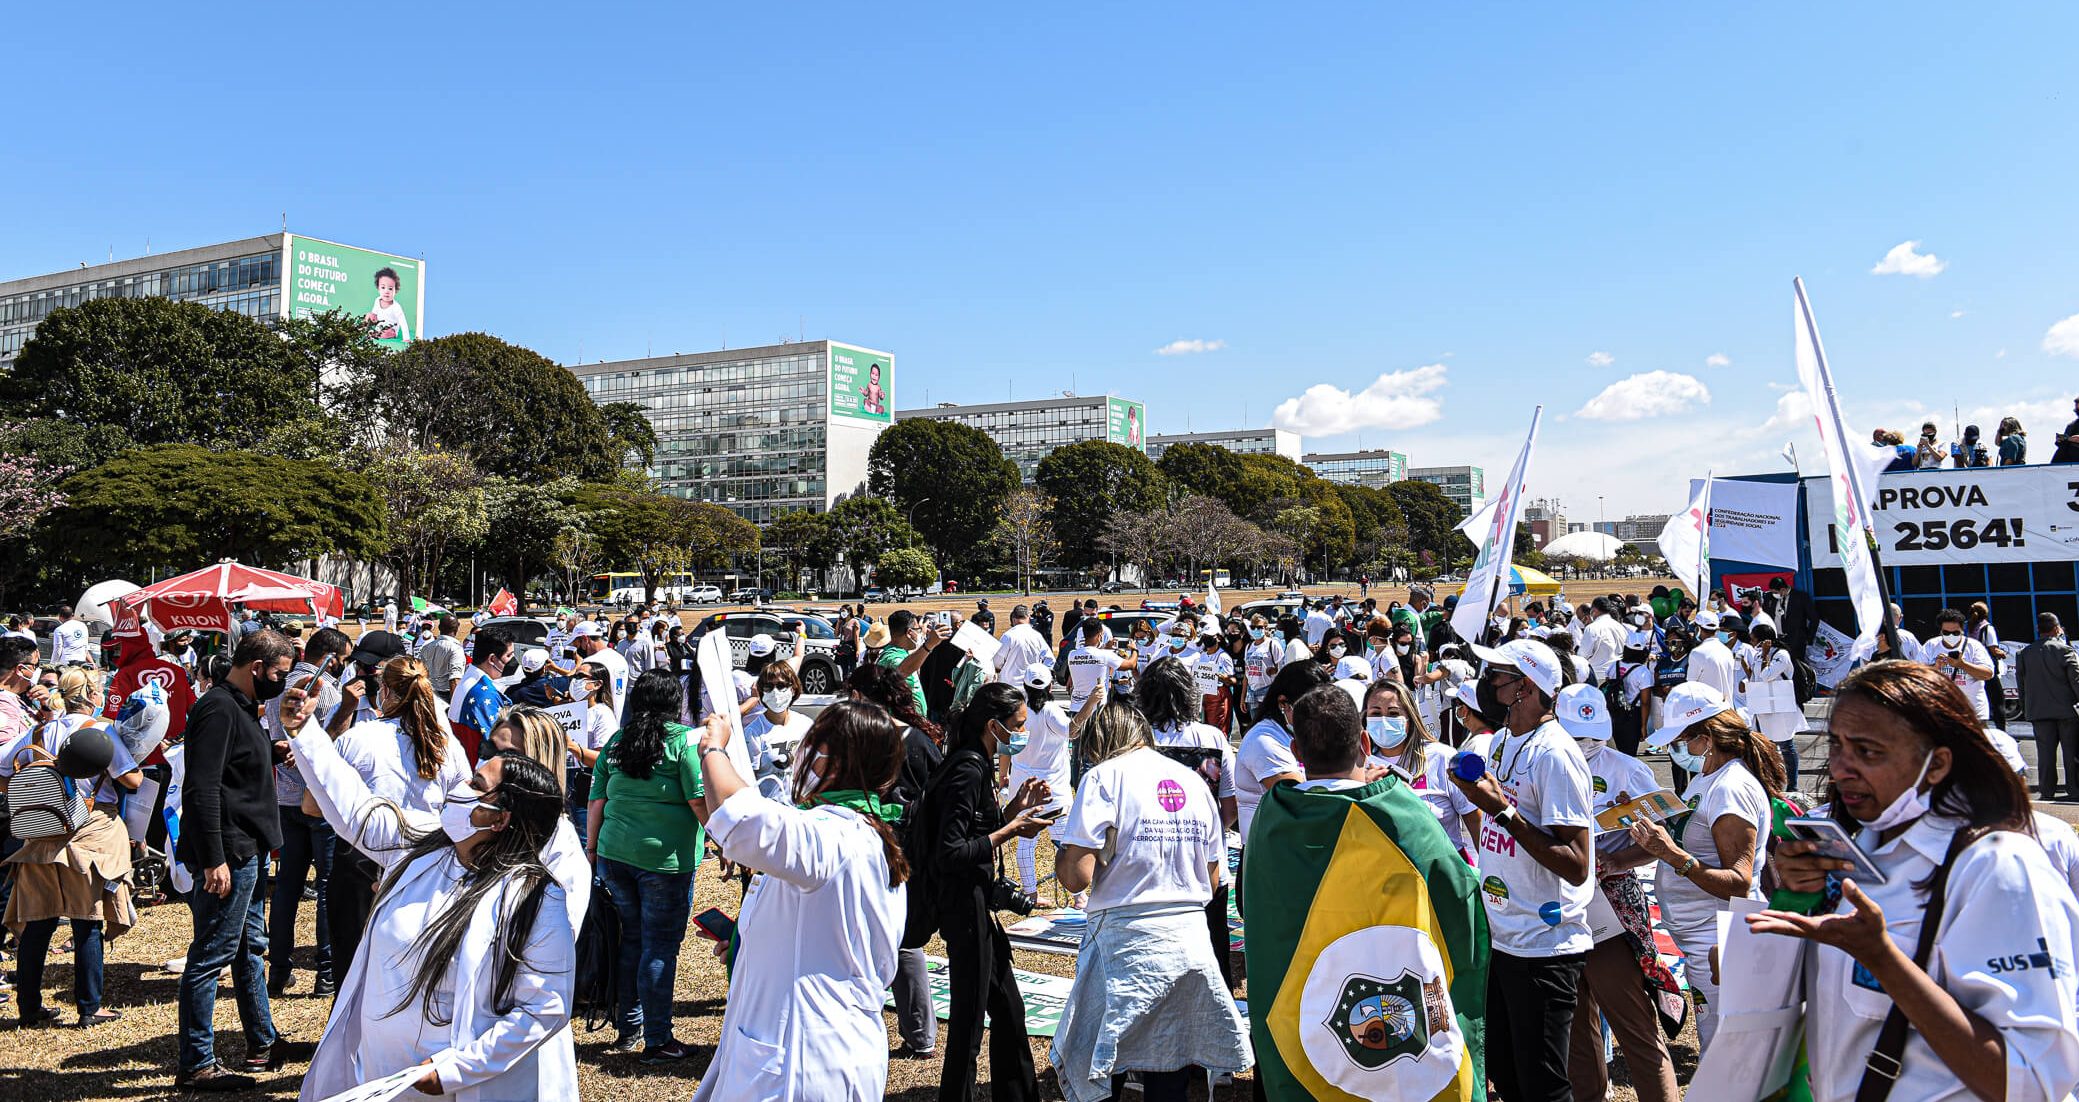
(1454, 213)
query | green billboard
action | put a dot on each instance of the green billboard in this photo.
(862, 384)
(388, 292)
(1126, 422)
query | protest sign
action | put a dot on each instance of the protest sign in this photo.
(1974, 515)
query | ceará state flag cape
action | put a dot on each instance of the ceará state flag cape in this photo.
(1367, 949)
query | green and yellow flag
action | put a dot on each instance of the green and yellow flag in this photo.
(1367, 949)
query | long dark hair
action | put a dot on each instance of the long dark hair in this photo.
(1980, 787)
(885, 687)
(532, 799)
(654, 701)
(995, 702)
(1169, 695)
(862, 749)
(1292, 682)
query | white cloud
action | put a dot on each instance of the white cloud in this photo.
(1651, 394)
(2063, 338)
(1903, 260)
(1190, 347)
(1395, 400)
(1793, 411)
(1956, 313)
(1600, 359)
(1717, 359)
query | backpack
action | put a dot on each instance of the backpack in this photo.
(44, 803)
(1804, 681)
(1613, 691)
(915, 838)
(596, 990)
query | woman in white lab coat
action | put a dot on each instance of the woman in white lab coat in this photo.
(821, 925)
(467, 962)
(1989, 1011)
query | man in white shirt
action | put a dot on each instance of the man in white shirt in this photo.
(1319, 623)
(1537, 866)
(1604, 639)
(1962, 659)
(71, 644)
(1711, 661)
(443, 655)
(1021, 646)
(1092, 664)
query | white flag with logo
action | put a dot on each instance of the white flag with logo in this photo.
(1488, 583)
(1213, 597)
(1851, 468)
(1685, 542)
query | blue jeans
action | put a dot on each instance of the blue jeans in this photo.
(654, 907)
(1788, 750)
(233, 931)
(86, 963)
(306, 848)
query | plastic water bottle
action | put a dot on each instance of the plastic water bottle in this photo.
(1468, 766)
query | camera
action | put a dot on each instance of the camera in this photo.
(1006, 895)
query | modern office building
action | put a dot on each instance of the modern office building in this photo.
(1546, 518)
(1465, 486)
(273, 277)
(1240, 441)
(1641, 530)
(1028, 431)
(1374, 467)
(761, 431)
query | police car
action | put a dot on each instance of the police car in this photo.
(816, 638)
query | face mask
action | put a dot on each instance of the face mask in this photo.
(1176, 642)
(1376, 644)
(1336, 650)
(1387, 732)
(1403, 648)
(777, 700)
(462, 801)
(1952, 639)
(1013, 742)
(1492, 710)
(1725, 637)
(811, 780)
(1256, 633)
(1590, 747)
(265, 689)
(1910, 805)
(1683, 759)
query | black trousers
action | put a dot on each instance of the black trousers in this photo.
(978, 964)
(1530, 1018)
(348, 900)
(1216, 926)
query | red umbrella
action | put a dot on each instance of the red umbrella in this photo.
(202, 600)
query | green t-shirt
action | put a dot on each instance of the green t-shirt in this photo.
(648, 822)
(893, 657)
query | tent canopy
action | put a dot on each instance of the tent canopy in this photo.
(1523, 580)
(1595, 546)
(203, 599)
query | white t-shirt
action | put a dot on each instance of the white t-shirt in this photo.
(1261, 662)
(388, 761)
(600, 725)
(1266, 752)
(1713, 664)
(2061, 844)
(69, 642)
(1209, 669)
(1446, 800)
(1531, 910)
(1046, 753)
(52, 737)
(1972, 651)
(1204, 736)
(1777, 726)
(1728, 790)
(616, 669)
(1296, 650)
(1318, 624)
(1089, 667)
(1611, 773)
(1021, 646)
(1162, 827)
(389, 321)
(778, 737)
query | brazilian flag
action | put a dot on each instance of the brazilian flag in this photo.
(1367, 949)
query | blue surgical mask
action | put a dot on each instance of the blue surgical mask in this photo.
(1725, 637)
(1176, 642)
(1013, 742)
(1683, 759)
(1255, 633)
(1387, 732)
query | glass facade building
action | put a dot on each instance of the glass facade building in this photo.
(1465, 486)
(1239, 441)
(1375, 468)
(245, 276)
(1028, 431)
(748, 429)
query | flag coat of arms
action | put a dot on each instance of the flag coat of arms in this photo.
(1367, 949)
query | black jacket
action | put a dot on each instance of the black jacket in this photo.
(960, 816)
(228, 810)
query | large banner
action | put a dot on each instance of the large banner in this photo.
(862, 384)
(1126, 423)
(388, 292)
(1975, 515)
(1752, 521)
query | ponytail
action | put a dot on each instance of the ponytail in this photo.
(1731, 734)
(417, 710)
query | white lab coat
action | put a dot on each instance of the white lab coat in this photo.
(820, 929)
(482, 1056)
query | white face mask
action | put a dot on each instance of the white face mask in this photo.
(777, 700)
(1387, 732)
(1336, 649)
(1590, 747)
(1910, 804)
(462, 801)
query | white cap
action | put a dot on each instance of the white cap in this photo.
(1581, 710)
(1539, 631)
(1353, 668)
(761, 645)
(584, 629)
(1706, 619)
(1535, 659)
(1356, 689)
(2008, 748)
(1466, 693)
(532, 659)
(1638, 640)
(1689, 703)
(1039, 675)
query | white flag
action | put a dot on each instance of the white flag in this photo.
(719, 687)
(1488, 584)
(1851, 467)
(1685, 542)
(1213, 596)
(1475, 526)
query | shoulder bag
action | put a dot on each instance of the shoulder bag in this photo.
(1881, 1070)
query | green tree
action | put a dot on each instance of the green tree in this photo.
(510, 410)
(1207, 469)
(162, 372)
(657, 533)
(629, 434)
(1526, 550)
(793, 536)
(857, 530)
(576, 555)
(1091, 482)
(524, 521)
(332, 350)
(176, 507)
(1377, 524)
(1023, 535)
(60, 443)
(433, 500)
(905, 568)
(1432, 521)
(950, 479)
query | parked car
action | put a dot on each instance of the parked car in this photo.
(1272, 608)
(527, 631)
(816, 639)
(750, 594)
(874, 595)
(1112, 587)
(704, 595)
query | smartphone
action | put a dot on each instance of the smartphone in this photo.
(1834, 842)
(714, 924)
(1049, 814)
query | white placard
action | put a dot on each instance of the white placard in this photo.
(571, 717)
(978, 643)
(719, 687)
(1760, 1012)
(1753, 522)
(1767, 698)
(382, 1090)
(1976, 515)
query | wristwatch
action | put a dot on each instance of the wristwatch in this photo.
(1506, 816)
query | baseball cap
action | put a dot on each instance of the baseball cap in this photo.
(761, 645)
(1353, 668)
(1533, 658)
(1689, 703)
(2009, 749)
(533, 659)
(1732, 621)
(586, 628)
(1706, 619)
(1581, 710)
(1638, 640)
(1039, 675)
(1466, 693)
(375, 648)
